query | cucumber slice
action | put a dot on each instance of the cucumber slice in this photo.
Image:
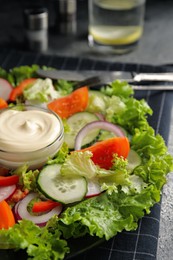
(61, 188)
(134, 160)
(76, 123)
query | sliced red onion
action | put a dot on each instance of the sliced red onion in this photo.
(6, 191)
(5, 89)
(15, 211)
(93, 125)
(21, 211)
(100, 116)
(94, 189)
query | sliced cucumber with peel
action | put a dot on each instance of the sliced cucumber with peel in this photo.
(76, 123)
(134, 160)
(61, 188)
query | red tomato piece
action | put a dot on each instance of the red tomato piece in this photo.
(9, 180)
(42, 206)
(3, 103)
(6, 216)
(75, 102)
(103, 151)
(18, 90)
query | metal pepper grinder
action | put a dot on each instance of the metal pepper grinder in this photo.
(66, 16)
(36, 28)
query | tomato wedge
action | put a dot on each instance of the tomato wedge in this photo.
(3, 103)
(103, 151)
(9, 180)
(42, 206)
(18, 90)
(6, 216)
(75, 102)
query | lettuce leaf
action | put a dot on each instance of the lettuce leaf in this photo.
(96, 103)
(39, 243)
(27, 178)
(61, 155)
(41, 91)
(114, 106)
(63, 86)
(107, 214)
(120, 107)
(3, 73)
(118, 88)
(17, 74)
(80, 163)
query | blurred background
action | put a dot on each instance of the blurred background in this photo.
(12, 22)
(156, 45)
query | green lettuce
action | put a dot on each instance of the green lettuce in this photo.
(3, 73)
(39, 243)
(107, 214)
(18, 74)
(97, 103)
(114, 106)
(27, 178)
(118, 88)
(64, 87)
(61, 155)
(41, 91)
(80, 163)
(120, 107)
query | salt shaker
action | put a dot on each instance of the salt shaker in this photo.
(66, 16)
(36, 28)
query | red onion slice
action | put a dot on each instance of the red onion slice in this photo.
(5, 89)
(93, 125)
(21, 211)
(100, 116)
(6, 191)
(94, 189)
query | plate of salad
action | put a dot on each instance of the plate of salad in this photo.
(108, 173)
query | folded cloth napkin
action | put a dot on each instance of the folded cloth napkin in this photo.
(142, 243)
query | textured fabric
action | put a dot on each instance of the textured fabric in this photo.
(142, 243)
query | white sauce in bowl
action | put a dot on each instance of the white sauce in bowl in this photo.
(26, 131)
(29, 135)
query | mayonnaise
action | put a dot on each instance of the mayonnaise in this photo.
(27, 131)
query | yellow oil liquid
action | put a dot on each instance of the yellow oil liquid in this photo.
(115, 35)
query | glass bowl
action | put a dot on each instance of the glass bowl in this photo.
(29, 138)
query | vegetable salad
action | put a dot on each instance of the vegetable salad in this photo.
(108, 173)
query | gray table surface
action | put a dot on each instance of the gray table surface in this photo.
(155, 47)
